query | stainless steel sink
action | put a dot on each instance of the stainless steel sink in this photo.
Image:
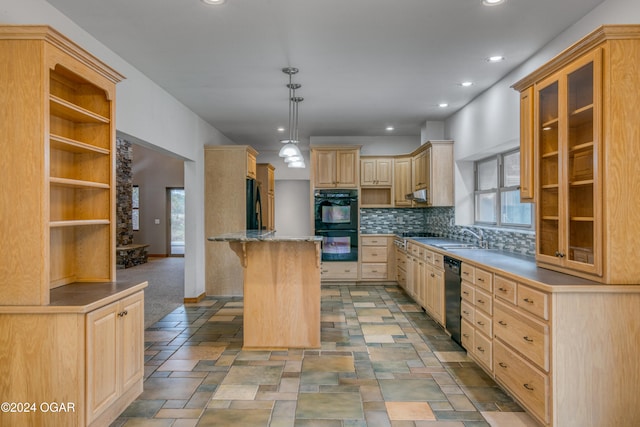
(459, 246)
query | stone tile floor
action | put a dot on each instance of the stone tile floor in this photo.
(383, 362)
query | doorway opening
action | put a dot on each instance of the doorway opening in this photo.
(175, 206)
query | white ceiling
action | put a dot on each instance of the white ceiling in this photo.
(364, 64)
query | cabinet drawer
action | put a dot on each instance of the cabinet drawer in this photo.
(483, 323)
(339, 270)
(467, 292)
(428, 256)
(438, 260)
(467, 272)
(483, 349)
(374, 270)
(374, 241)
(522, 379)
(466, 335)
(483, 301)
(534, 301)
(467, 312)
(484, 279)
(505, 289)
(528, 336)
(374, 253)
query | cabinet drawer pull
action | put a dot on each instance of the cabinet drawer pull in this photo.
(502, 290)
(502, 322)
(503, 365)
(527, 300)
(466, 273)
(528, 387)
(465, 292)
(480, 279)
(123, 313)
(480, 323)
(527, 339)
(481, 301)
(465, 335)
(480, 349)
(465, 312)
(433, 275)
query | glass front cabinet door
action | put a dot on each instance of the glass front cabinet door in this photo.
(567, 130)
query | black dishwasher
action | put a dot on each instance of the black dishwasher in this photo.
(452, 297)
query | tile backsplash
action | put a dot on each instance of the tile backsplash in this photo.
(440, 221)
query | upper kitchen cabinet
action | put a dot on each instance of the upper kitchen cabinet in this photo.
(335, 166)
(58, 137)
(376, 171)
(402, 181)
(376, 181)
(433, 171)
(265, 176)
(585, 125)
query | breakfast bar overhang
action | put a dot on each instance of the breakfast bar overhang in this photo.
(281, 289)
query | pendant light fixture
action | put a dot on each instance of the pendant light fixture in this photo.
(290, 151)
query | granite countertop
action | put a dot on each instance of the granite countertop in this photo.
(513, 265)
(261, 236)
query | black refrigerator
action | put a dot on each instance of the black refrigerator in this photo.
(254, 206)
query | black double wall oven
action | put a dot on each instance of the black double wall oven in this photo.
(336, 221)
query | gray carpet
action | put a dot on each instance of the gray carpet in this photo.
(166, 286)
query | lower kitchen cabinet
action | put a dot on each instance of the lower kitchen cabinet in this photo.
(339, 271)
(85, 350)
(115, 352)
(377, 258)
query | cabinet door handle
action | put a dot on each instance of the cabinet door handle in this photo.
(527, 339)
(465, 335)
(123, 313)
(527, 300)
(480, 349)
(528, 387)
(503, 365)
(433, 275)
(502, 322)
(480, 323)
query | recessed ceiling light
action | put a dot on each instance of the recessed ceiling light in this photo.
(281, 129)
(214, 2)
(443, 105)
(496, 58)
(492, 2)
(389, 128)
(466, 84)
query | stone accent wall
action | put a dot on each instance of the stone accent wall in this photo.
(124, 185)
(128, 254)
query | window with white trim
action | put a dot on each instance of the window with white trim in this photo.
(497, 192)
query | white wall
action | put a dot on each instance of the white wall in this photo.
(154, 172)
(293, 214)
(147, 113)
(490, 123)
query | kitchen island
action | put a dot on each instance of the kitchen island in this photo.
(281, 288)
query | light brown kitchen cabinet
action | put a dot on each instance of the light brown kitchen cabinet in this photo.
(252, 166)
(376, 171)
(332, 271)
(434, 292)
(58, 225)
(376, 181)
(58, 210)
(585, 119)
(377, 258)
(335, 167)
(402, 181)
(265, 176)
(433, 170)
(115, 352)
(526, 146)
(225, 211)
